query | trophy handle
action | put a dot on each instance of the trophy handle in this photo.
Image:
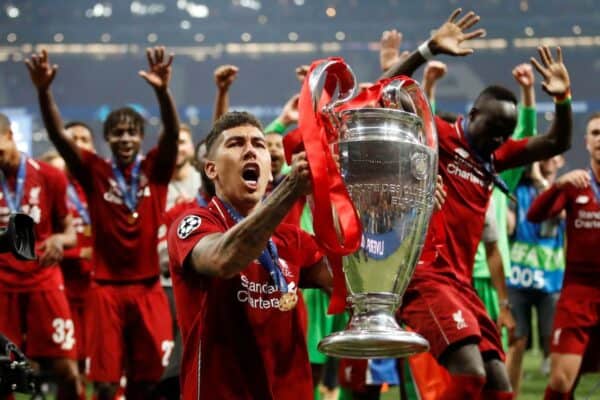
(405, 94)
(345, 83)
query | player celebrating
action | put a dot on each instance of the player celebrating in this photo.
(126, 198)
(576, 319)
(34, 306)
(440, 302)
(236, 270)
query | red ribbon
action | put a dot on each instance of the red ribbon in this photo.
(314, 134)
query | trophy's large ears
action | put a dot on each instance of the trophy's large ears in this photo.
(334, 76)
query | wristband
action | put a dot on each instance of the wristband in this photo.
(563, 98)
(425, 51)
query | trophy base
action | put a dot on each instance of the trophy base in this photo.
(373, 331)
(366, 344)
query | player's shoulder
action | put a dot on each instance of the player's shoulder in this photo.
(195, 218)
(46, 170)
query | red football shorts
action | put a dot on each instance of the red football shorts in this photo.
(79, 310)
(446, 312)
(576, 328)
(39, 323)
(130, 333)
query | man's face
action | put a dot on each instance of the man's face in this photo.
(7, 147)
(185, 149)
(275, 146)
(592, 139)
(491, 123)
(239, 165)
(82, 137)
(125, 140)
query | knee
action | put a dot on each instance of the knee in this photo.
(561, 381)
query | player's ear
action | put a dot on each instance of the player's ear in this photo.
(210, 169)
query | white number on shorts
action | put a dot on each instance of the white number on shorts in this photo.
(167, 348)
(64, 332)
(527, 278)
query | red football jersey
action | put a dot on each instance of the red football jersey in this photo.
(583, 229)
(124, 247)
(237, 343)
(456, 230)
(44, 200)
(77, 270)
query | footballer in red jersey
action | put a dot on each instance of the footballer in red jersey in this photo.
(35, 312)
(126, 198)
(441, 302)
(236, 270)
(575, 343)
(77, 261)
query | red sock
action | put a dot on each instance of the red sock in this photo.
(497, 395)
(462, 387)
(551, 394)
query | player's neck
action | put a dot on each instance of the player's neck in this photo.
(182, 172)
(243, 208)
(12, 163)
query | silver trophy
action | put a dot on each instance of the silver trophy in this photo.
(388, 161)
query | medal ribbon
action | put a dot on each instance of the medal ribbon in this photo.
(129, 191)
(14, 203)
(81, 209)
(594, 185)
(268, 258)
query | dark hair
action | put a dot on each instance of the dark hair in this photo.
(496, 92)
(208, 186)
(122, 114)
(592, 116)
(227, 121)
(72, 124)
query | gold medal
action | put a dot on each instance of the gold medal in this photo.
(87, 231)
(288, 301)
(133, 217)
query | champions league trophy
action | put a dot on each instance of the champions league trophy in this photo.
(388, 158)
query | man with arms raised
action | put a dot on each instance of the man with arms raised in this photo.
(574, 346)
(236, 270)
(126, 198)
(440, 302)
(33, 306)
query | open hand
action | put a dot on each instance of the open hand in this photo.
(225, 75)
(289, 114)
(389, 50)
(159, 70)
(449, 37)
(556, 77)
(42, 73)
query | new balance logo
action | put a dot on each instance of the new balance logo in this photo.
(460, 321)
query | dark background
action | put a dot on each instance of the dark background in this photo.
(99, 47)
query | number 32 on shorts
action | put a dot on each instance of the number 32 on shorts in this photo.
(64, 333)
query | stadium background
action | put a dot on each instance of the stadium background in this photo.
(99, 46)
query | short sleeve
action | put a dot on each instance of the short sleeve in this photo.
(490, 230)
(187, 230)
(57, 187)
(509, 155)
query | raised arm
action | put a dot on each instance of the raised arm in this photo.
(447, 39)
(558, 85)
(389, 49)
(226, 254)
(42, 73)
(224, 77)
(553, 200)
(434, 71)
(158, 76)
